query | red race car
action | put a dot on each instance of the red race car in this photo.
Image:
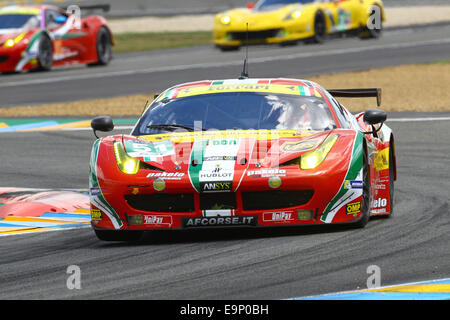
(243, 152)
(41, 36)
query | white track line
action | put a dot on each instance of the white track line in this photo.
(418, 119)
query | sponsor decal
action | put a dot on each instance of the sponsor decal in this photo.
(215, 170)
(219, 221)
(379, 203)
(299, 146)
(218, 212)
(353, 208)
(266, 173)
(353, 184)
(220, 158)
(95, 191)
(215, 176)
(381, 160)
(216, 186)
(241, 87)
(151, 219)
(96, 215)
(282, 216)
(166, 175)
(222, 142)
(150, 151)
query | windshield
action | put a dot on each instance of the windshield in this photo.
(264, 4)
(237, 111)
(18, 21)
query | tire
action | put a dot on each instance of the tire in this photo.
(365, 205)
(45, 53)
(368, 33)
(122, 235)
(320, 29)
(103, 47)
(391, 181)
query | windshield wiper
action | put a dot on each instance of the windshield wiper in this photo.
(171, 127)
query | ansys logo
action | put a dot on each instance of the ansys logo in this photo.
(217, 186)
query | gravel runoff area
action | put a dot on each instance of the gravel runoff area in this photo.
(396, 17)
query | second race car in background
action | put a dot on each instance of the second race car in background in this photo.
(287, 21)
(38, 37)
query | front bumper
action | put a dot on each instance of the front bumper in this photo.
(16, 59)
(298, 202)
(224, 36)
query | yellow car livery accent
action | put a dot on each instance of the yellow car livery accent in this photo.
(381, 161)
(245, 87)
(183, 137)
(19, 10)
(292, 21)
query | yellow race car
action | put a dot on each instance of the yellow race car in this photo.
(288, 21)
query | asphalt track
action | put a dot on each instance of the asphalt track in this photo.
(148, 72)
(410, 246)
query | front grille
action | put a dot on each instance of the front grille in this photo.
(277, 199)
(3, 59)
(217, 201)
(254, 35)
(162, 202)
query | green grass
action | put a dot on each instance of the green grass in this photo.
(130, 42)
(443, 61)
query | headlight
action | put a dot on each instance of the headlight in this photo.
(225, 20)
(126, 164)
(295, 14)
(9, 43)
(314, 158)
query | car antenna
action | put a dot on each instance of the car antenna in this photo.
(244, 73)
(145, 106)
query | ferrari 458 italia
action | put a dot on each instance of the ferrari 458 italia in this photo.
(38, 37)
(242, 153)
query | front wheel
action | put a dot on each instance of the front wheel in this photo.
(365, 205)
(118, 235)
(320, 29)
(45, 53)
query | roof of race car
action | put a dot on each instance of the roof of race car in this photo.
(278, 85)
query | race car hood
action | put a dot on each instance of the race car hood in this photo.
(260, 19)
(6, 34)
(221, 155)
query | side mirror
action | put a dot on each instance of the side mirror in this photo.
(102, 123)
(250, 5)
(373, 117)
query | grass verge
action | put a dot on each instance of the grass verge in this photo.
(131, 42)
(422, 88)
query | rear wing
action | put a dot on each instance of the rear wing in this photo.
(357, 93)
(88, 7)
